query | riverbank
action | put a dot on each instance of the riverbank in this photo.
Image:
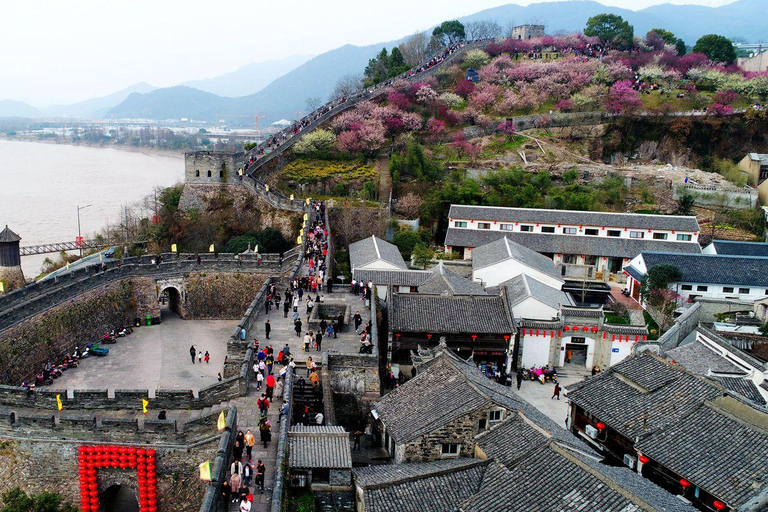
(145, 150)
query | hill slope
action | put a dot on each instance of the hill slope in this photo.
(13, 108)
(95, 108)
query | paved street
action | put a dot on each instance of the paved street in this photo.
(156, 357)
(540, 396)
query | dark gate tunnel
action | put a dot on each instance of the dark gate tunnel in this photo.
(119, 498)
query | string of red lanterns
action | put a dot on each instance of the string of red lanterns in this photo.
(92, 458)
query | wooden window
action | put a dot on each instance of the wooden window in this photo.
(449, 450)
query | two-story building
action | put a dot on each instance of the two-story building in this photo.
(717, 276)
(688, 434)
(462, 442)
(756, 167)
(587, 245)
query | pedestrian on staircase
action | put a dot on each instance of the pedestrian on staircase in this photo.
(319, 340)
(286, 307)
(267, 328)
(265, 431)
(261, 471)
(250, 440)
(297, 327)
(263, 405)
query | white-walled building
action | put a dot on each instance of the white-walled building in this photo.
(589, 244)
(706, 275)
(533, 299)
(503, 259)
(375, 254)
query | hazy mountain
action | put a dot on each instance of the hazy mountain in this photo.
(96, 108)
(174, 103)
(13, 108)
(316, 78)
(248, 79)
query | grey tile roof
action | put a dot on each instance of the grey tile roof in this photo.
(737, 271)
(761, 157)
(504, 249)
(641, 394)
(731, 344)
(569, 244)
(428, 487)
(521, 287)
(743, 387)
(511, 440)
(368, 250)
(471, 314)
(572, 217)
(580, 312)
(6, 236)
(699, 358)
(728, 247)
(443, 281)
(319, 447)
(392, 277)
(715, 451)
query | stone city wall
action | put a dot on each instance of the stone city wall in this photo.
(355, 374)
(220, 296)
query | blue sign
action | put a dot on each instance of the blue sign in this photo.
(614, 350)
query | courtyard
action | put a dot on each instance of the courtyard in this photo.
(156, 357)
(540, 395)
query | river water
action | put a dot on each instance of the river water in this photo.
(41, 186)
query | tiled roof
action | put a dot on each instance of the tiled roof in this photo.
(368, 250)
(700, 359)
(319, 447)
(713, 450)
(443, 281)
(579, 312)
(521, 287)
(743, 387)
(471, 314)
(512, 440)
(428, 487)
(641, 394)
(568, 244)
(744, 271)
(728, 247)
(760, 157)
(504, 249)
(6, 236)
(392, 277)
(575, 218)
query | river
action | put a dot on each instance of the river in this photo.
(41, 186)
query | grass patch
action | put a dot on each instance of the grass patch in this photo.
(311, 170)
(653, 327)
(613, 318)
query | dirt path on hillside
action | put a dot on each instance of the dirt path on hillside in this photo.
(385, 180)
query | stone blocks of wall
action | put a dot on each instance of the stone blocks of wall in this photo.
(220, 296)
(213, 167)
(355, 374)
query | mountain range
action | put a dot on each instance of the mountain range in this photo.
(280, 88)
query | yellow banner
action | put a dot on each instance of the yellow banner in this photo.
(211, 248)
(221, 423)
(2, 286)
(144, 405)
(173, 248)
(205, 471)
(58, 401)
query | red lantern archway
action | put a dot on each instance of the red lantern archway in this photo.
(91, 458)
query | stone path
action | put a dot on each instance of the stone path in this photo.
(540, 395)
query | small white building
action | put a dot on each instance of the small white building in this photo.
(533, 299)
(375, 254)
(502, 260)
(716, 276)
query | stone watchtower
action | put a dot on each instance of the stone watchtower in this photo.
(10, 260)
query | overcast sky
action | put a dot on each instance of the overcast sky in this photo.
(57, 51)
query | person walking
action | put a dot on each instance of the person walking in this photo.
(263, 405)
(267, 328)
(568, 355)
(358, 436)
(358, 321)
(207, 357)
(249, 442)
(200, 356)
(234, 484)
(265, 431)
(286, 307)
(557, 391)
(284, 411)
(260, 472)
(193, 351)
(319, 340)
(297, 327)
(519, 380)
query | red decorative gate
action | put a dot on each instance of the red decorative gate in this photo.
(92, 458)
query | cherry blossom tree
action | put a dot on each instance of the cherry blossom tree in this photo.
(622, 98)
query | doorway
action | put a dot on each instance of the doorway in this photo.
(170, 299)
(119, 498)
(578, 350)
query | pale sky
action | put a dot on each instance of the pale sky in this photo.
(56, 51)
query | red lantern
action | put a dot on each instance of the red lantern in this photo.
(604, 334)
(474, 337)
(600, 426)
(685, 483)
(636, 338)
(644, 459)
(523, 333)
(585, 328)
(506, 337)
(429, 336)
(151, 452)
(559, 333)
(613, 337)
(537, 332)
(566, 328)
(719, 505)
(594, 329)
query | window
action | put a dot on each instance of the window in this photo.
(701, 288)
(744, 290)
(569, 231)
(483, 225)
(614, 232)
(506, 227)
(591, 232)
(526, 228)
(686, 287)
(221, 174)
(449, 450)
(547, 229)
(590, 260)
(495, 416)
(727, 289)
(659, 236)
(459, 223)
(482, 424)
(684, 238)
(636, 234)
(197, 173)
(209, 174)
(570, 258)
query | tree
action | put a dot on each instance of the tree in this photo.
(716, 48)
(313, 103)
(680, 47)
(612, 31)
(406, 241)
(347, 86)
(422, 255)
(414, 48)
(318, 141)
(476, 59)
(658, 37)
(685, 204)
(449, 32)
(654, 289)
(17, 500)
(483, 29)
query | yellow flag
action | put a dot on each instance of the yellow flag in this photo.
(222, 422)
(2, 286)
(266, 187)
(291, 197)
(305, 217)
(173, 247)
(211, 248)
(307, 201)
(101, 256)
(144, 405)
(67, 265)
(205, 471)
(257, 248)
(58, 401)
(298, 240)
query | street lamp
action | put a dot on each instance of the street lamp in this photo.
(79, 236)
